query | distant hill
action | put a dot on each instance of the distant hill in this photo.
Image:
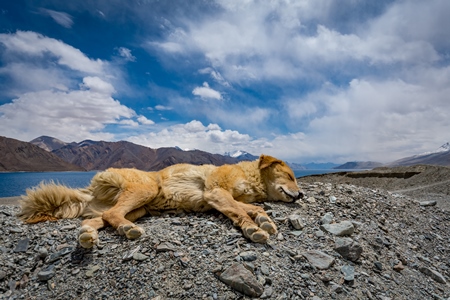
(22, 156)
(359, 165)
(439, 157)
(320, 166)
(100, 155)
(295, 166)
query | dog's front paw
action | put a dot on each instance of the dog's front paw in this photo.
(88, 237)
(131, 231)
(256, 234)
(266, 224)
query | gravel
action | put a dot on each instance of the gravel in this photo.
(394, 248)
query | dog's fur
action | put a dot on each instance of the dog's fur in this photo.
(120, 196)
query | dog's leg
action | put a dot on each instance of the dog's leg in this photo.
(260, 217)
(88, 235)
(128, 204)
(222, 201)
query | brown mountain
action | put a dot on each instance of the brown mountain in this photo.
(100, 155)
(22, 156)
(48, 143)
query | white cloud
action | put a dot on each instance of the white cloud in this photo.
(194, 135)
(72, 115)
(61, 18)
(162, 107)
(35, 45)
(205, 92)
(144, 121)
(126, 54)
(95, 84)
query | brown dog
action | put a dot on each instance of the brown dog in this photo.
(120, 196)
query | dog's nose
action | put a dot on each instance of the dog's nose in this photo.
(300, 195)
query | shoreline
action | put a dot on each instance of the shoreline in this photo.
(10, 201)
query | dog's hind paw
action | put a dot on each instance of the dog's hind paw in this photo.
(256, 234)
(88, 237)
(131, 231)
(266, 224)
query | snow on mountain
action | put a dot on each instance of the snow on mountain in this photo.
(443, 148)
(241, 155)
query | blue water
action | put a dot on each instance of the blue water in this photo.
(15, 183)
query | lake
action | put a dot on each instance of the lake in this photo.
(15, 183)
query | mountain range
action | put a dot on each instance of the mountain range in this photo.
(50, 154)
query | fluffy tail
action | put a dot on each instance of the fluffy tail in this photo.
(50, 202)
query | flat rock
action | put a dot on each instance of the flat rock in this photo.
(22, 245)
(340, 229)
(319, 259)
(47, 273)
(428, 203)
(242, 280)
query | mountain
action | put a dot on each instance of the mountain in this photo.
(295, 166)
(241, 155)
(22, 156)
(440, 157)
(359, 165)
(48, 143)
(320, 166)
(100, 155)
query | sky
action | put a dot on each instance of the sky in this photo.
(305, 81)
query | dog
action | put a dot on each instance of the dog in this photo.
(119, 197)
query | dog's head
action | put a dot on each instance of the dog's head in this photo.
(279, 179)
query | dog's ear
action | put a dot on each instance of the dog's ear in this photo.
(266, 161)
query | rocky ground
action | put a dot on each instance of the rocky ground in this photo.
(375, 240)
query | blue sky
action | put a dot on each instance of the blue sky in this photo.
(306, 80)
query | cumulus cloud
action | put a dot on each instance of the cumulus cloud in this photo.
(206, 93)
(72, 115)
(144, 121)
(195, 135)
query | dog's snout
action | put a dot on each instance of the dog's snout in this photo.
(300, 195)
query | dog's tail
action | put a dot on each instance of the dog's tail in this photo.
(50, 202)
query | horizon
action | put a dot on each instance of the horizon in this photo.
(309, 81)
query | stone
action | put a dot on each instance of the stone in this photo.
(348, 248)
(164, 247)
(296, 222)
(340, 229)
(90, 273)
(332, 199)
(47, 273)
(327, 218)
(242, 280)
(42, 252)
(319, 259)
(428, 203)
(349, 272)
(2, 274)
(57, 255)
(139, 256)
(248, 255)
(435, 275)
(22, 245)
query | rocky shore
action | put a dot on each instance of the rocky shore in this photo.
(341, 241)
